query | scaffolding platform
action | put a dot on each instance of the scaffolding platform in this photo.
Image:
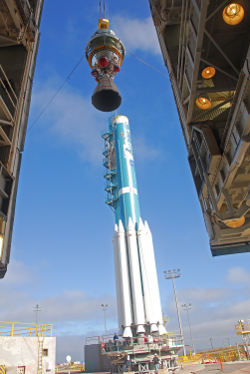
(113, 355)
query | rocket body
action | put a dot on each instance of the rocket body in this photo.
(138, 298)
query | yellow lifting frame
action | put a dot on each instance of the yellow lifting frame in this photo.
(103, 23)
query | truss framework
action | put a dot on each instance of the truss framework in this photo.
(19, 37)
(193, 35)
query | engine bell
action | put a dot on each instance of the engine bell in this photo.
(106, 96)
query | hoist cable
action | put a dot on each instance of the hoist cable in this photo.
(43, 110)
(56, 93)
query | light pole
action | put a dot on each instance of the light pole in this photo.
(187, 308)
(104, 308)
(172, 274)
(37, 309)
(211, 342)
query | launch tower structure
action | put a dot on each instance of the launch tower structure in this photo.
(206, 49)
(138, 298)
(19, 41)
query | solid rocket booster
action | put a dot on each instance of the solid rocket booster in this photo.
(122, 280)
(138, 298)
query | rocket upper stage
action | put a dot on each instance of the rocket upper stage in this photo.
(105, 53)
(138, 298)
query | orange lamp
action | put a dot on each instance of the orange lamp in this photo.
(208, 72)
(233, 14)
(236, 222)
(203, 102)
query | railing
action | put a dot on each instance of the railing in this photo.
(189, 358)
(229, 354)
(162, 339)
(7, 91)
(147, 342)
(2, 369)
(73, 368)
(24, 329)
(242, 327)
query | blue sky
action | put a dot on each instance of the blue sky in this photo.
(62, 256)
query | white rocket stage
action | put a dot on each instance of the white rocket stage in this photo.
(138, 298)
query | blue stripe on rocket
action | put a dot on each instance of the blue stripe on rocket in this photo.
(126, 177)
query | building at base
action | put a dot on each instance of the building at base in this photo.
(27, 348)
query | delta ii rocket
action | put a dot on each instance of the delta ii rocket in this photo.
(138, 298)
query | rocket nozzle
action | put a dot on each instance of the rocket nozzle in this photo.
(127, 333)
(106, 96)
(140, 329)
(153, 328)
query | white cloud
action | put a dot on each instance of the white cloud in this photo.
(65, 308)
(17, 274)
(241, 310)
(201, 295)
(71, 312)
(217, 329)
(75, 314)
(75, 305)
(144, 151)
(137, 34)
(213, 314)
(238, 275)
(73, 118)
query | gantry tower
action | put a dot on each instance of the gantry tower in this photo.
(205, 46)
(19, 38)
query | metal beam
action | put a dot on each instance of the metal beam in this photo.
(9, 84)
(187, 83)
(7, 123)
(182, 43)
(205, 177)
(196, 8)
(221, 52)
(181, 37)
(198, 49)
(219, 69)
(215, 89)
(4, 136)
(216, 10)
(5, 109)
(207, 112)
(7, 93)
(190, 56)
(7, 41)
(240, 90)
(228, 201)
(185, 101)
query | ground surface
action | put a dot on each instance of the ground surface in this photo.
(238, 367)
